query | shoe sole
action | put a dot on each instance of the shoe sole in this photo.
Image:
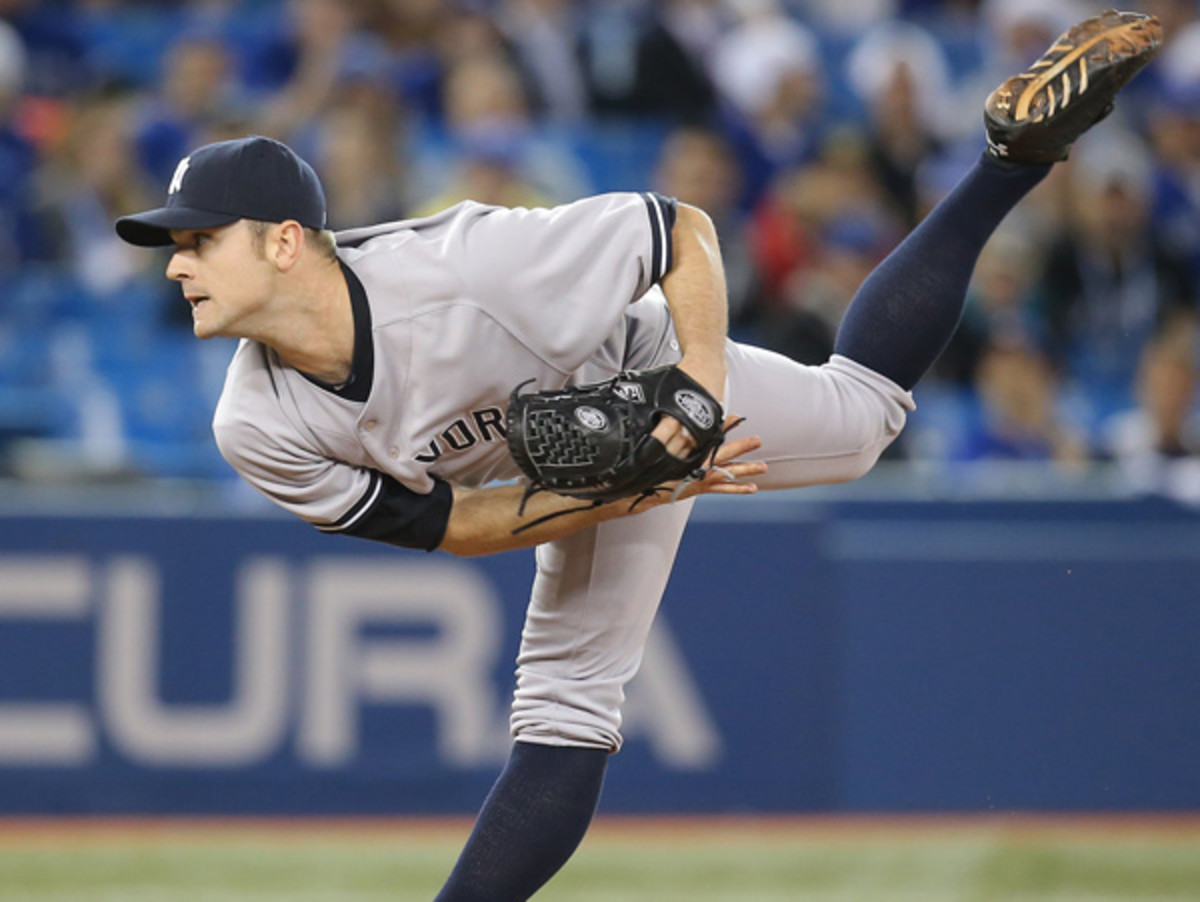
(1085, 68)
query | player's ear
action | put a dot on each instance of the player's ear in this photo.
(285, 243)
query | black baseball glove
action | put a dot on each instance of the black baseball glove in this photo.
(593, 442)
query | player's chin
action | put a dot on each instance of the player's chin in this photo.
(204, 326)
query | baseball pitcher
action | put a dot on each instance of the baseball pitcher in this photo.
(488, 378)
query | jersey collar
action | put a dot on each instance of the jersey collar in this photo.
(362, 366)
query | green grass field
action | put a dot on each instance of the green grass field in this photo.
(932, 860)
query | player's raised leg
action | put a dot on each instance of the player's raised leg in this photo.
(906, 311)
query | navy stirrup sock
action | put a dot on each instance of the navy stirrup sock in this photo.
(905, 312)
(532, 821)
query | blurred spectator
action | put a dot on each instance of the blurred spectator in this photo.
(950, 13)
(359, 157)
(767, 69)
(643, 59)
(411, 31)
(811, 169)
(1014, 33)
(490, 150)
(93, 179)
(58, 63)
(196, 90)
(1109, 282)
(1017, 418)
(901, 77)
(20, 239)
(815, 237)
(545, 38)
(1177, 17)
(1174, 128)
(817, 296)
(673, 60)
(489, 174)
(322, 45)
(469, 33)
(697, 166)
(1157, 443)
(843, 18)
(997, 309)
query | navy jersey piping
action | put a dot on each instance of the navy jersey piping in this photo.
(662, 212)
(360, 507)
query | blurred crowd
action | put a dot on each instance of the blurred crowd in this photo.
(816, 133)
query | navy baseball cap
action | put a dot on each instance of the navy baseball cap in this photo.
(218, 184)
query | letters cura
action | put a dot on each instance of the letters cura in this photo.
(314, 645)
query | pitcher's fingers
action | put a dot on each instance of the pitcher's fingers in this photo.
(674, 436)
(716, 487)
(732, 472)
(736, 448)
(732, 488)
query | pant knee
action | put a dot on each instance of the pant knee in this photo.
(566, 712)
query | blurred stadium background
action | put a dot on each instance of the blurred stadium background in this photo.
(971, 675)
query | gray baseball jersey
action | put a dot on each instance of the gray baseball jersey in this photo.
(451, 312)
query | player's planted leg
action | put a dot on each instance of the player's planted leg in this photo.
(533, 820)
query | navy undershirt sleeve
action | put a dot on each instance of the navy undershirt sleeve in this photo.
(400, 516)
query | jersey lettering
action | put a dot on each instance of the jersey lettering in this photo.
(485, 425)
(487, 420)
(458, 436)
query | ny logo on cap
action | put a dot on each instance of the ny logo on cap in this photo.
(177, 178)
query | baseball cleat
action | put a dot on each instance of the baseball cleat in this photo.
(1034, 117)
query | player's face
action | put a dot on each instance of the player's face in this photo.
(224, 276)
